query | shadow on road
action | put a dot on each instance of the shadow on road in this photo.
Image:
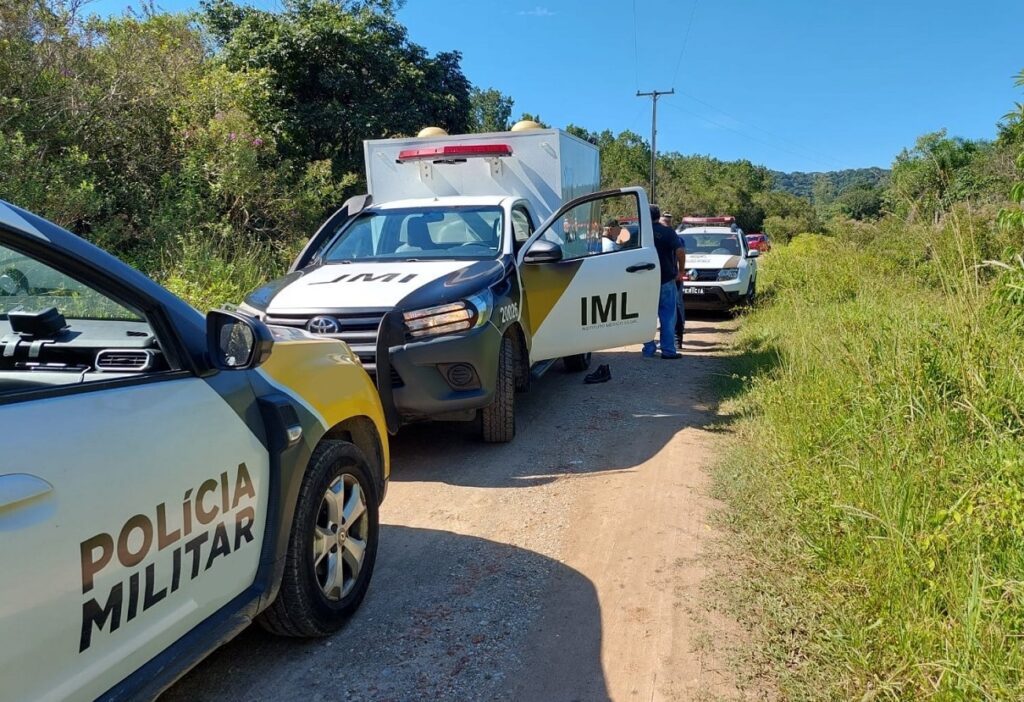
(565, 427)
(447, 617)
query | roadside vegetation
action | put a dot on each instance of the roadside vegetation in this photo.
(204, 148)
(878, 486)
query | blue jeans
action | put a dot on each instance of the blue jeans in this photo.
(668, 304)
(681, 318)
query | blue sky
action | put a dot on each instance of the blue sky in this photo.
(791, 84)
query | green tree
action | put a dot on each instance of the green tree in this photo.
(1012, 133)
(490, 110)
(339, 73)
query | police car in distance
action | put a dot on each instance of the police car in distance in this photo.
(721, 267)
(474, 263)
(166, 478)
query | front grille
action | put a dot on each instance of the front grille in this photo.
(705, 274)
(357, 328)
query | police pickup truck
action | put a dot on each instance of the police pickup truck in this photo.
(166, 479)
(721, 266)
(472, 266)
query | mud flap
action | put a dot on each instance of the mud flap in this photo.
(390, 333)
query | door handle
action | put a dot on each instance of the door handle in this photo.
(640, 267)
(16, 488)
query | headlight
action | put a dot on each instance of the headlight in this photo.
(452, 318)
(729, 274)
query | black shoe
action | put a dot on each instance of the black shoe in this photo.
(602, 375)
(671, 357)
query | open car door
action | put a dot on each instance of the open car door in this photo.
(586, 286)
(317, 243)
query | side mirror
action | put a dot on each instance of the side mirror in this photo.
(235, 341)
(543, 251)
(753, 253)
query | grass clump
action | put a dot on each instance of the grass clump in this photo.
(879, 485)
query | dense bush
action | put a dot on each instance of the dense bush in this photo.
(205, 148)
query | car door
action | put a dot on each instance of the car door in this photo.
(580, 296)
(132, 499)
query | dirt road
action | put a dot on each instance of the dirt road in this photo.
(566, 565)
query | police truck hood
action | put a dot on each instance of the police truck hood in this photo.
(706, 260)
(376, 284)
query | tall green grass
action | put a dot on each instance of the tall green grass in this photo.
(878, 490)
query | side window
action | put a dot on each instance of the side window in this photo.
(596, 227)
(56, 330)
(522, 227)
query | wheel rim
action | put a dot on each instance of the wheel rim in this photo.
(340, 537)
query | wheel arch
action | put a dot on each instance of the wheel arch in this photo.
(362, 432)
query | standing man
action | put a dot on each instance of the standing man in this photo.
(670, 257)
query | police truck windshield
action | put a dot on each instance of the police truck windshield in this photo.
(709, 243)
(472, 232)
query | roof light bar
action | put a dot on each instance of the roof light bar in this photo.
(709, 220)
(454, 152)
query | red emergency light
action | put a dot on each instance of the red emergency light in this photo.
(454, 152)
(698, 221)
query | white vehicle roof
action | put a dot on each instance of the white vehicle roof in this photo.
(711, 230)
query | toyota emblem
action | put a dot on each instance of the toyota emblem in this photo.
(323, 325)
(692, 273)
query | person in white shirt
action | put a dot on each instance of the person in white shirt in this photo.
(613, 236)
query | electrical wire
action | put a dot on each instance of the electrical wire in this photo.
(636, 52)
(686, 40)
(819, 156)
(805, 155)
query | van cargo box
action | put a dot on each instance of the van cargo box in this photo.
(545, 166)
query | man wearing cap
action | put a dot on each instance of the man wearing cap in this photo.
(670, 258)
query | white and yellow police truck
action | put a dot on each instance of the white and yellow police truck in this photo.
(473, 264)
(721, 268)
(166, 478)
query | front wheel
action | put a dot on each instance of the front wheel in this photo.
(332, 547)
(751, 296)
(577, 363)
(498, 419)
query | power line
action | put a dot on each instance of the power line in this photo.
(654, 95)
(804, 155)
(636, 52)
(819, 156)
(686, 39)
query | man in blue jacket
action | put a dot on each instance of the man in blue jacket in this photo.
(670, 258)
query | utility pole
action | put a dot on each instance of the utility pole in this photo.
(654, 94)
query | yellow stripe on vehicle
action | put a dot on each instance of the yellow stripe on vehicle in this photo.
(543, 285)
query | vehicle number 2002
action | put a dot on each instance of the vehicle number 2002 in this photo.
(508, 313)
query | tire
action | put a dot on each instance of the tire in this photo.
(578, 363)
(498, 419)
(311, 602)
(522, 368)
(751, 297)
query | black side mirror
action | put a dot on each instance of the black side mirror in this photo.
(543, 251)
(236, 341)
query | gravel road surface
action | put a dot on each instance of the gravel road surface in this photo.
(567, 565)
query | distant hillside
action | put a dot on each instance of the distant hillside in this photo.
(802, 184)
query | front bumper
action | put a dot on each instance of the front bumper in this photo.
(431, 378)
(711, 297)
